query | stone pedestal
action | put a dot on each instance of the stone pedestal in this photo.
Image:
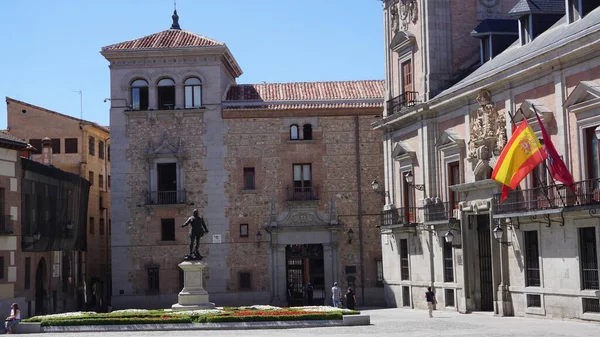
(193, 295)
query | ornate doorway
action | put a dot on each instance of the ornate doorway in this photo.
(40, 287)
(304, 264)
(485, 263)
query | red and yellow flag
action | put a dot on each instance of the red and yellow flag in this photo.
(520, 156)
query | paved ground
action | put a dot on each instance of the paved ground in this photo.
(404, 322)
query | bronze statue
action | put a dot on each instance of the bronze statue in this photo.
(197, 230)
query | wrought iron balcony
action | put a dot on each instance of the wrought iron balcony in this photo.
(399, 103)
(6, 224)
(583, 193)
(305, 193)
(399, 216)
(166, 197)
(439, 211)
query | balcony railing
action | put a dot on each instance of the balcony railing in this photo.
(586, 192)
(439, 211)
(305, 193)
(166, 197)
(397, 104)
(6, 224)
(399, 216)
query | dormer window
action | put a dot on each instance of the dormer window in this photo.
(139, 95)
(495, 35)
(535, 17)
(166, 94)
(525, 29)
(577, 9)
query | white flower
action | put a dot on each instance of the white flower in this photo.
(67, 314)
(324, 309)
(129, 311)
(260, 307)
(195, 312)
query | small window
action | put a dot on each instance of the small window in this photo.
(404, 267)
(588, 258)
(244, 230)
(70, 145)
(100, 149)
(534, 301)
(139, 95)
(1, 267)
(249, 178)
(102, 229)
(27, 272)
(92, 146)
(193, 93)
(405, 296)
(591, 305)
(245, 279)
(532, 259)
(100, 181)
(37, 144)
(448, 262)
(167, 229)
(307, 130)
(56, 145)
(166, 94)
(294, 134)
(379, 273)
(449, 297)
(153, 280)
(92, 225)
(91, 177)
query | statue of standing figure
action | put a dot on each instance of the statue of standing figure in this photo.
(197, 230)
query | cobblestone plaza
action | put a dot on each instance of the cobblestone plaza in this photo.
(403, 322)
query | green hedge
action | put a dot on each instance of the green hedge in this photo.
(114, 321)
(261, 318)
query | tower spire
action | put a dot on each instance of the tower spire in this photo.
(175, 17)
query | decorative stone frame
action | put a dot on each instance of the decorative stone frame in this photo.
(406, 159)
(452, 149)
(165, 153)
(300, 122)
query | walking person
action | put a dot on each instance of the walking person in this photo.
(431, 301)
(13, 319)
(350, 299)
(336, 295)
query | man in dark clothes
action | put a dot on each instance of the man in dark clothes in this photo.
(197, 230)
(309, 294)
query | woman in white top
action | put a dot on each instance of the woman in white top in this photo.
(13, 319)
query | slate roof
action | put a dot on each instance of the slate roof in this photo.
(170, 38)
(498, 26)
(537, 7)
(306, 95)
(557, 35)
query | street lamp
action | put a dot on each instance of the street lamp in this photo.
(449, 237)
(498, 234)
(410, 178)
(258, 237)
(375, 187)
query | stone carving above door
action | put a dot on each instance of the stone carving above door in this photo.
(488, 9)
(402, 13)
(488, 131)
(307, 216)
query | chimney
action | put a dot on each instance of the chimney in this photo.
(47, 151)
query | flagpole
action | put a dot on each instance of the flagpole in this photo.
(546, 165)
(544, 187)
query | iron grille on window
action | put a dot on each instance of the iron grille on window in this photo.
(449, 297)
(100, 149)
(379, 273)
(534, 301)
(589, 258)
(405, 296)
(448, 262)
(591, 305)
(245, 281)
(153, 280)
(404, 270)
(532, 260)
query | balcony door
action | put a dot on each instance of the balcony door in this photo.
(302, 182)
(167, 183)
(407, 81)
(407, 201)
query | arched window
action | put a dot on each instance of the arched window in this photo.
(139, 95)
(193, 93)
(307, 130)
(166, 94)
(294, 132)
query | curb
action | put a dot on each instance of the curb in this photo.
(196, 326)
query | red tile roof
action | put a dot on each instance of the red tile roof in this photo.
(305, 95)
(171, 38)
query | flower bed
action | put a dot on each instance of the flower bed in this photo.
(241, 314)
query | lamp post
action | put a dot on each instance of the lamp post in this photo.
(375, 187)
(258, 237)
(498, 234)
(410, 178)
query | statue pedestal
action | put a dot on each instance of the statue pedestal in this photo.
(193, 296)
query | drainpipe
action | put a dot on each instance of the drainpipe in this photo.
(359, 206)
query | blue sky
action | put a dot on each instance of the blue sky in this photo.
(50, 49)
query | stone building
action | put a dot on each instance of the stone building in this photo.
(456, 73)
(281, 173)
(80, 147)
(42, 231)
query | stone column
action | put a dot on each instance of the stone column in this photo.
(193, 296)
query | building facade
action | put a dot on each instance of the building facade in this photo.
(42, 232)
(83, 148)
(281, 173)
(458, 75)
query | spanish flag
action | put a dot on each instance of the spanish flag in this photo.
(520, 156)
